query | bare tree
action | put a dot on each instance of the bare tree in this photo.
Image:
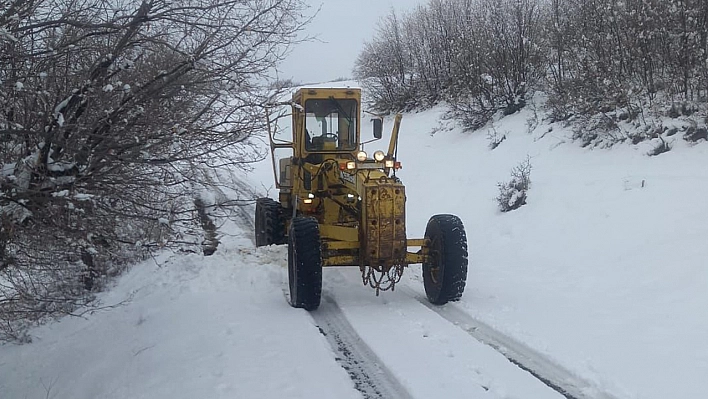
(114, 116)
(480, 55)
(384, 66)
(593, 57)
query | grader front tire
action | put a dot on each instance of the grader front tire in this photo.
(305, 263)
(445, 270)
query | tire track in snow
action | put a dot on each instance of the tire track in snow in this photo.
(550, 373)
(369, 374)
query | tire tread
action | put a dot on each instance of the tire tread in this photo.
(451, 232)
(305, 263)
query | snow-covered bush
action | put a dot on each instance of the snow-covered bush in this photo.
(660, 147)
(694, 134)
(512, 194)
(210, 241)
(495, 138)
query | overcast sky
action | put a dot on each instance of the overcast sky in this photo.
(342, 27)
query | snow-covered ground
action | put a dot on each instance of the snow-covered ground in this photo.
(603, 272)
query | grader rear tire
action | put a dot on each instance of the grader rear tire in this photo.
(269, 226)
(445, 271)
(305, 263)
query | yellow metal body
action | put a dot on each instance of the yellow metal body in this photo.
(359, 204)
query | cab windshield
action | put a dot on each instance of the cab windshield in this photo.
(330, 125)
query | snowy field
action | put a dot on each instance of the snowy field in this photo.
(603, 273)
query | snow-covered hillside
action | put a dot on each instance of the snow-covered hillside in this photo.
(602, 274)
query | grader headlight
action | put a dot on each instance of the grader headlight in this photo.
(351, 165)
(379, 156)
(389, 163)
(309, 198)
(361, 156)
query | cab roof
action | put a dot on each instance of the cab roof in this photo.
(305, 93)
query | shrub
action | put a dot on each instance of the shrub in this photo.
(495, 139)
(695, 134)
(512, 194)
(661, 147)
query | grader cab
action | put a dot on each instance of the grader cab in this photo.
(340, 206)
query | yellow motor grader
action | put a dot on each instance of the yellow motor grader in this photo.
(340, 206)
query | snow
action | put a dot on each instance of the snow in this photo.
(183, 329)
(62, 193)
(4, 34)
(83, 197)
(59, 110)
(7, 170)
(60, 107)
(602, 272)
(61, 166)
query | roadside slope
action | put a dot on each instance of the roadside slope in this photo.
(604, 270)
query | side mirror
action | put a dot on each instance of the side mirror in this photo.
(378, 127)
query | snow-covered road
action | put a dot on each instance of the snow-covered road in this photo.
(428, 354)
(223, 329)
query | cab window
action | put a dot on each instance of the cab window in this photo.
(330, 125)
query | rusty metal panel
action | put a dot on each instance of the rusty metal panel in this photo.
(340, 260)
(385, 224)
